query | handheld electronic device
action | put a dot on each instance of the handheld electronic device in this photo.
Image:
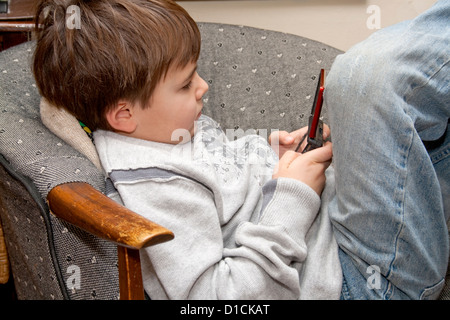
(315, 125)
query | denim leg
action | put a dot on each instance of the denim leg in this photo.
(385, 97)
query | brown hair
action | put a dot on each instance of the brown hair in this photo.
(120, 50)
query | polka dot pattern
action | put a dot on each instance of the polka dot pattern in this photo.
(260, 79)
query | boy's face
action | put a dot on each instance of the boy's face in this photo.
(176, 103)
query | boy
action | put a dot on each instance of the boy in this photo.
(129, 73)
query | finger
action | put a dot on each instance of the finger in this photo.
(281, 138)
(286, 138)
(285, 162)
(326, 131)
(298, 134)
(288, 158)
(322, 154)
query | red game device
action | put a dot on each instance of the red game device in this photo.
(315, 125)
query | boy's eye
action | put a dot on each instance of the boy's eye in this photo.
(188, 86)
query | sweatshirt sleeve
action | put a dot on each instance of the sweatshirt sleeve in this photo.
(290, 204)
(197, 264)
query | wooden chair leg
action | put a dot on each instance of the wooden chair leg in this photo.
(130, 275)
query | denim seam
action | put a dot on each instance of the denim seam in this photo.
(399, 197)
(432, 291)
(345, 295)
(442, 155)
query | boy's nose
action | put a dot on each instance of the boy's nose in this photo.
(203, 88)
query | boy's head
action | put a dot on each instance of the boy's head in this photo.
(91, 55)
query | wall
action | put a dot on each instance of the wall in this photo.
(339, 23)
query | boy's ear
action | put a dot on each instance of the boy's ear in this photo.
(121, 118)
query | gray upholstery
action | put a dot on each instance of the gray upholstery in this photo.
(258, 79)
(41, 248)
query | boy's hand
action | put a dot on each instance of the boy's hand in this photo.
(282, 141)
(308, 168)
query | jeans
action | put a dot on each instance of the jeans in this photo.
(389, 104)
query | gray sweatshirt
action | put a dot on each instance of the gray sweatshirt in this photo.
(239, 234)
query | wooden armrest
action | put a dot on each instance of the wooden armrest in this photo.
(87, 208)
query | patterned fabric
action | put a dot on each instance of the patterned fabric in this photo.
(26, 240)
(227, 154)
(43, 250)
(260, 79)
